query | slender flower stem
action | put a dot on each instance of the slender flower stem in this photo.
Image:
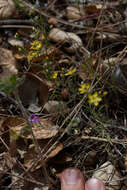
(33, 136)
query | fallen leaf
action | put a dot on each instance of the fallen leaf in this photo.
(7, 64)
(45, 129)
(109, 175)
(74, 42)
(7, 9)
(31, 154)
(73, 12)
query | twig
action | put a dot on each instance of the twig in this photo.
(116, 141)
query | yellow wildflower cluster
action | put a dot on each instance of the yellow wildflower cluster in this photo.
(54, 75)
(70, 71)
(94, 98)
(84, 88)
(35, 47)
(31, 55)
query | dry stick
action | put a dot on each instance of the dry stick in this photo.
(77, 107)
(74, 112)
(116, 141)
(4, 144)
(16, 26)
(16, 21)
(22, 178)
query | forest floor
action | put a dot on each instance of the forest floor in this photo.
(63, 92)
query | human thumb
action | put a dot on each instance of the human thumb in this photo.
(72, 179)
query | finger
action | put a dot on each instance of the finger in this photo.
(72, 179)
(94, 184)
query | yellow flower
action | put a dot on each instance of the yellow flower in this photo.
(83, 88)
(105, 93)
(31, 55)
(35, 45)
(71, 71)
(94, 99)
(54, 76)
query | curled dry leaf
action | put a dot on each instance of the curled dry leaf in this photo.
(7, 64)
(7, 9)
(45, 129)
(74, 12)
(15, 42)
(74, 42)
(109, 175)
(31, 154)
(33, 92)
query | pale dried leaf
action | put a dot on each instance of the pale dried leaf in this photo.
(74, 12)
(7, 9)
(59, 36)
(56, 107)
(109, 175)
(15, 42)
(7, 63)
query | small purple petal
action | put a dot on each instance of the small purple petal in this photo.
(33, 118)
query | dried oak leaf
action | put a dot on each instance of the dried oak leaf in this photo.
(7, 64)
(45, 129)
(7, 9)
(31, 154)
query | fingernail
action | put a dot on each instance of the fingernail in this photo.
(71, 176)
(94, 184)
(72, 179)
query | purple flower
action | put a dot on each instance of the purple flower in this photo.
(33, 118)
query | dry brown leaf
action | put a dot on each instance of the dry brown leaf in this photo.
(7, 9)
(7, 64)
(109, 175)
(91, 9)
(31, 154)
(33, 92)
(43, 130)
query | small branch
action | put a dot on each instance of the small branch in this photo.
(115, 141)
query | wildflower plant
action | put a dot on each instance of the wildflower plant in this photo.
(94, 98)
(35, 48)
(83, 88)
(70, 71)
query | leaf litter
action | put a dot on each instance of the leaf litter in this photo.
(50, 51)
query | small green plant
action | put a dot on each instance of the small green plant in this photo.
(10, 84)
